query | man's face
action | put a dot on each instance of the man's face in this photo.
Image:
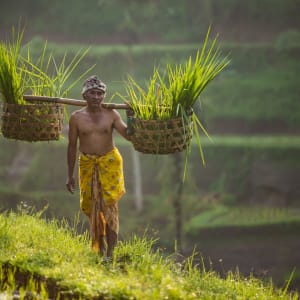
(94, 97)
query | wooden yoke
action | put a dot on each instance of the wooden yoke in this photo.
(73, 102)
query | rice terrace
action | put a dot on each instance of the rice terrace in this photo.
(206, 94)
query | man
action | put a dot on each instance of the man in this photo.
(101, 180)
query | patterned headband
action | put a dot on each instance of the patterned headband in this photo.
(93, 83)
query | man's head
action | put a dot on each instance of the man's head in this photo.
(93, 83)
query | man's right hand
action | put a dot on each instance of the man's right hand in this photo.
(70, 185)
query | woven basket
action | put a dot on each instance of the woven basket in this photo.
(32, 122)
(161, 136)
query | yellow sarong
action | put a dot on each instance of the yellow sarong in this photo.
(101, 184)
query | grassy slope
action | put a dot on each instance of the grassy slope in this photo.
(53, 250)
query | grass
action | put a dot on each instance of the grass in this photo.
(52, 250)
(10, 288)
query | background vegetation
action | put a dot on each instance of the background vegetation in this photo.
(245, 202)
(167, 21)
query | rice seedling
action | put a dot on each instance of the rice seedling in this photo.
(173, 93)
(12, 76)
(47, 77)
(177, 90)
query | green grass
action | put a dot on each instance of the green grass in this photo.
(242, 216)
(30, 288)
(52, 250)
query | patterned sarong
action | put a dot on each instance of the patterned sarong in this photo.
(101, 184)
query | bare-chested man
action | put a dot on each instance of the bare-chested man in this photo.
(101, 181)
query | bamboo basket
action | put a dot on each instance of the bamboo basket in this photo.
(41, 118)
(32, 122)
(43, 122)
(161, 136)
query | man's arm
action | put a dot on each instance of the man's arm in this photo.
(71, 153)
(120, 125)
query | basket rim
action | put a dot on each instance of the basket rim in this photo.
(182, 117)
(29, 103)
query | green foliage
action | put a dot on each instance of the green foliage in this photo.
(48, 78)
(53, 250)
(173, 96)
(131, 21)
(45, 77)
(10, 288)
(12, 75)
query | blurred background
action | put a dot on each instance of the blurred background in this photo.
(239, 211)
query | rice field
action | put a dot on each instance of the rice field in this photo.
(243, 216)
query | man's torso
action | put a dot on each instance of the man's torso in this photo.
(95, 131)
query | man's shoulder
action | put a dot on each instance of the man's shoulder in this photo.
(112, 112)
(77, 114)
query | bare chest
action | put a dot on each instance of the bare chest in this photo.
(95, 125)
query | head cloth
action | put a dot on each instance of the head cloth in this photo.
(93, 83)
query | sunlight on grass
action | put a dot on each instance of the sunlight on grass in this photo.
(10, 288)
(53, 250)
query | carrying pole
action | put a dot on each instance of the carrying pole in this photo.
(75, 102)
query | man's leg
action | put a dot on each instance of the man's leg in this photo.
(112, 239)
(102, 245)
